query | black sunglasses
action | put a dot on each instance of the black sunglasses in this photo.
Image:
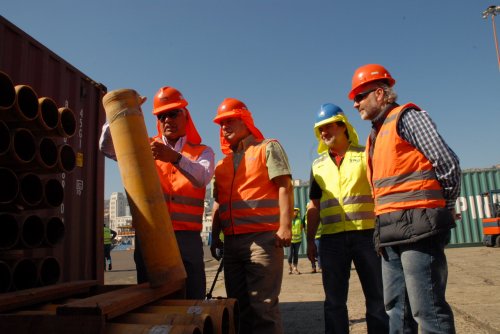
(361, 96)
(171, 114)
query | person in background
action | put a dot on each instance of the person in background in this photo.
(317, 240)
(341, 198)
(109, 237)
(415, 178)
(185, 167)
(253, 206)
(297, 228)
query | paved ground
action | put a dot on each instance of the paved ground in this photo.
(473, 291)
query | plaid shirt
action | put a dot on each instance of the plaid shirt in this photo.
(417, 128)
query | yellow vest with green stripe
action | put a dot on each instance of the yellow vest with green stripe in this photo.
(296, 230)
(107, 236)
(346, 202)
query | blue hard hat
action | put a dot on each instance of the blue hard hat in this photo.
(328, 113)
(328, 110)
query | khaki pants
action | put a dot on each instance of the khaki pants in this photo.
(253, 271)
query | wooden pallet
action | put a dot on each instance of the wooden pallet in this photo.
(75, 307)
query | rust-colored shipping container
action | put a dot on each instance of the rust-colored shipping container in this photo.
(28, 62)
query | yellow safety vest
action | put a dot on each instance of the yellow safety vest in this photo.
(346, 202)
(296, 230)
(107, 236)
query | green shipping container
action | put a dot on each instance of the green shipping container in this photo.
(471, 204)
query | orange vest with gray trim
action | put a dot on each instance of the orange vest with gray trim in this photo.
(400, 175)
(185, 202)
(248, 199)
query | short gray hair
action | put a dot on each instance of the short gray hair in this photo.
(390, 95)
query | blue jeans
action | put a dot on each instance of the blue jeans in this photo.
(293, 257)
(337, 252)
(415, 277)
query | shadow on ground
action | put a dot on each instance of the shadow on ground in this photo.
(307, 317)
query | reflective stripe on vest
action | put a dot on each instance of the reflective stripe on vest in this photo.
(185, 203)
(248, 199)
(251, 204)
(346, 203)
(402, 177)
(240, 221)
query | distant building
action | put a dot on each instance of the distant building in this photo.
(106, 212)
(122, 221)
(117, 206)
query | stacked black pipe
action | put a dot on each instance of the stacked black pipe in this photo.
(33, 156)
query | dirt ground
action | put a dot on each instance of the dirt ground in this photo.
(473, 291)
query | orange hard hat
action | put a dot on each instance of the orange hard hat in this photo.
(230, 107)
(234, 108)
(168, 98)
(368, 73)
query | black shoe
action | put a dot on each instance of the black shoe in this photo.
(109, 267)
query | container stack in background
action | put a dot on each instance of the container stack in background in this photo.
(34, 159)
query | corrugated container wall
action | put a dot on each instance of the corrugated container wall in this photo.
(471, 204)
(28, 62)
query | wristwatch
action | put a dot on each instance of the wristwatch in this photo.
(179, 157)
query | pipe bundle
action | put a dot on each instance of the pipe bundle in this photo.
(152, 223)
(34, 157)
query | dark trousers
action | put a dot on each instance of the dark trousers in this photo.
(191, 249)
(293, 257)
(338, 251)
(107, 254)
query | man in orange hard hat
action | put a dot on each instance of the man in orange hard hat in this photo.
(253, 207)
(415, 180)
(185, 167)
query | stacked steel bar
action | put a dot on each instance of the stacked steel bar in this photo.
(33, 154)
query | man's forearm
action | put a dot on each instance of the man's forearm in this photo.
(285, 194)
(312, 223)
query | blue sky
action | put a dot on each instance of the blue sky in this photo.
(284, 59)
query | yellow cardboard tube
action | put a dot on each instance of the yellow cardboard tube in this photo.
(150, 216)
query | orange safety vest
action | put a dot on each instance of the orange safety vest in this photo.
(184, 201)
(400, 175)
(248, 199)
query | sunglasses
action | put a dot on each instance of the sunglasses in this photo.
(361, 96)
(171, 114)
